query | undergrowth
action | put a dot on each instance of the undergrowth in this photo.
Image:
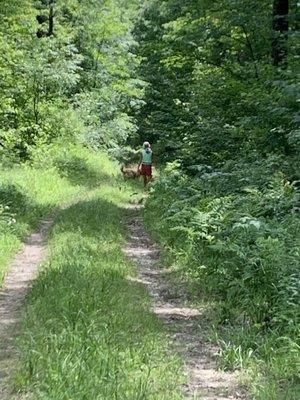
(234, 235)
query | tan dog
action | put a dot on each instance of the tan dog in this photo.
(129, 173)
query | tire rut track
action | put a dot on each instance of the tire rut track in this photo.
(21, 273)
(183, 323)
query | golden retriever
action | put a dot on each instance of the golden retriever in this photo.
(129, 172)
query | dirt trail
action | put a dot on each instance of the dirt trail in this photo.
(184, 324)
(22, 271)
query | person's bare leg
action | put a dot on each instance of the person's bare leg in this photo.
(145, 180)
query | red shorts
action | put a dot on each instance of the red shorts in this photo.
(146, 170)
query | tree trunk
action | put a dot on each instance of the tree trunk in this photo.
(51, 18)
(280, 32)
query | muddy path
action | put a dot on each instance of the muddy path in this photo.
(185, 325)
(22, 272)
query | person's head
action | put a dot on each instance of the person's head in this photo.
(146, 145)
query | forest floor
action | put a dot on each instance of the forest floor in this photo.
(186, 326)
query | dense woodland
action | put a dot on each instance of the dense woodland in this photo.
(66, 74)
(214, 86)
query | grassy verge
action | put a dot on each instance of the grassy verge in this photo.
(30, 192)
(88, 332)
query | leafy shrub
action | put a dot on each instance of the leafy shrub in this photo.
(233, 241)
(235, 236)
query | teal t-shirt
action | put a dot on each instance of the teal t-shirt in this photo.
(147, 156)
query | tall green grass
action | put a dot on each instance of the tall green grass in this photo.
(88, 332)
(29, 192)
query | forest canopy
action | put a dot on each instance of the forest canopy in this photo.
(224, 79)
(67, 72)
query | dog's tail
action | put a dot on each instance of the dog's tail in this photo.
(122, 168)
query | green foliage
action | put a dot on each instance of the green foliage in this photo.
(198, 79)
(212, 90)
(237, 240)
(29, 193)
(77, 84)
(226, 208)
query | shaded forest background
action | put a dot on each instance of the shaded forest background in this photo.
(215, 87)
(74, 82)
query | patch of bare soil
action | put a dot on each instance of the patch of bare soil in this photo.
(184, 324)
(21, 273)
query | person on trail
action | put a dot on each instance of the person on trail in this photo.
(146, 162)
